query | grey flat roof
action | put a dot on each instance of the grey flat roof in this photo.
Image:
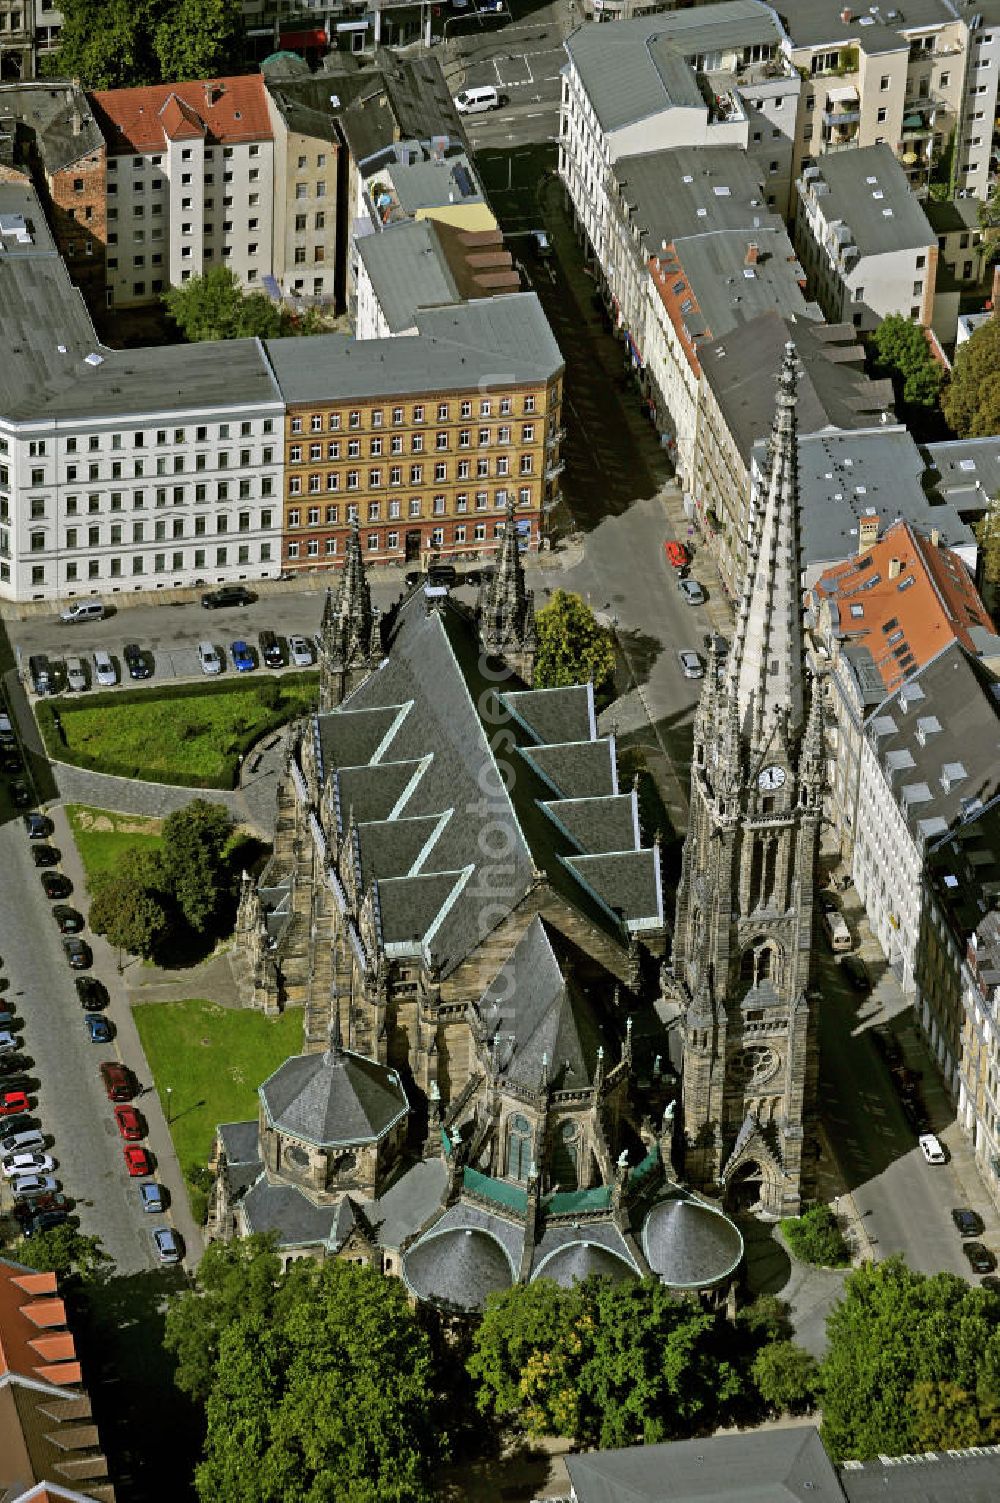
(948, 215)
(497, 339)
(58, 113)
(636, 68)
(966, 471)
(714, 267)
(811, 23)
(845, 476)
(690, 190)
(407, 271)
(432, 183)
(854, 178)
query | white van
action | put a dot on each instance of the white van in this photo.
(83, 610)
(477, 101)
(209, 658)
(837, 933)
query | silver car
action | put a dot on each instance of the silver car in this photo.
(691, 665)
(104, 670)
(76, 678)
(298, 652)
(34, 1184)
(692, 591)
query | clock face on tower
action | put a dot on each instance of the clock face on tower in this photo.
(771, 779)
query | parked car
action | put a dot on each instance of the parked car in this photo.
(56, 885)
(7, 736)
(38, 826)
(828, 902)
(152, 1197)
(22, 1123)
(45, 855)
(76, 675)
(92, 993)
(99, 1028)
(137, 1161)
(30, 1139)
(856, 972)
(27, 1163)
(980, 1258)
(9, 1043)
(69, 921)
(83, 610)
(691, 665)
(968, 1223)
(130, 1124)
(78, 953)
(242, 657)
(136, 662)
(104, 670)
(931, 1148)
(691, 591)
(916, 1114)
(34, 1184)
(270, 650)
(888, 1045)
(299, 654)
(10, 759)
(45, 1200)
(45, 1221)
(208, 657)
(442, 576)
(119, 1081)
(168, 1245)
(227, 595)
(12, 1102)
(677, 555)
(20, 795)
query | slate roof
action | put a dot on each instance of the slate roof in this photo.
(57, 113)
(955, 1477)
(690, 1244)
(464, 1257)
(431, 708)
(787, 1465)
(409, 1201)
(337, 1097)
(407, 270)
(288, 1211)
(566, 1254)
(243, 1162)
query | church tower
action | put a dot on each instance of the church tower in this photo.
(350, 636)
(506, 609)
(744, 920)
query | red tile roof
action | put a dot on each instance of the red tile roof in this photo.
(34, 1341)
(904, 599)
(223, 110)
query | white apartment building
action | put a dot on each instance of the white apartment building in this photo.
(190, 184)
(976, 153)
(865, 243)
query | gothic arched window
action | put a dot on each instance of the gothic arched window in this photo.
(566, 1157)
(518, 1147)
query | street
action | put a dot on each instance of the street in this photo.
(521, 58)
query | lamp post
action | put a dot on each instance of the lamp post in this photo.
(169, 1094)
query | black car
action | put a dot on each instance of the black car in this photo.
(43, 1222)
(856, 972)
(56, 885)
(20, 795)
(916, 1113)
(270, 650)
(888, 1046)
(136, 661)
(968, 1223)
(411, 578)
(10, 760)
(228, 595)
(828, 903)
(45, 855)
(38, 826)
(91, 992)
(980, 1258)
(442, 575)
(69, 921)
(78, 954)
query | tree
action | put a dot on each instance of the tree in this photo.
(786, 1376)
(234, 1281)
(198, 38)
(105, 43)
(815, 1237)
(901, 349)
(193, 856)
(332, 1395)
(64, 1251)
(132, 918)
(571, 645)
(988, 538)
(215, 307)
(972, 400)
(892, 1331)
(947, 1418)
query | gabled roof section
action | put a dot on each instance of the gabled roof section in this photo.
(627, 883)
(555, 714)
(224, 110)
(576, 769)
(394, 847)
(355, 735)
(180, 123)
(598, 824)
(374, 791)
(334, 1098)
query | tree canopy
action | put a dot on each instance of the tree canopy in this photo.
(972, 401)
(325, 1390)
(988, 537)
(193, 857)
(198, 38)
(64, 1251)
(234, 1280)
(902, 351)
(572, 646)
(900, 1345)
(214, 306)
(127, 910)
(815, 1237)
(115, 44)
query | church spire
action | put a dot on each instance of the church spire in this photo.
(506, 606)
(349, 632)
(766, 664)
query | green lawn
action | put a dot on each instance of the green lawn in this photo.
(190, 734)
(101, 835)
(213, 1058)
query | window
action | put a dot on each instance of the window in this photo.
(418, 413)
(354, 420)
(883, 83)
(397, 415)
(416, 443)
(882, 115)
(441, 441)
(528, 433)
(529, 404)
(414, 506)
(921, 262)
(440, 471)
(526, 464)
(416, 474)
(352, 480)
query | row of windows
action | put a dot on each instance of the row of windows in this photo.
(176, 465)
(91, 537)
(375, 445)
(39, 448)
(140, 163)
(311, 547)
(394, 510)
(418, 414)
(159, 563)
(331, 481)
(223, 490)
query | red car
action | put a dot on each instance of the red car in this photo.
(12, 1102)
(130, 1124)
(137, 1161)
(676, 553)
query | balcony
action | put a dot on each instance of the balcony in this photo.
(917, 124)
(841, 117)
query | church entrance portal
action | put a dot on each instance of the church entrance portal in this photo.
(745, 1188)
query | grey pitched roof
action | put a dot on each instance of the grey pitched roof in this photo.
(409, 1201)
(689, 1243)
(454, 347)
(337, 1097)
(714, 267)
(464, 1257)
(535, 1012)
(954, 1477)
(811, 23)
(595, 825)
(626, 882)
(373, 790)
(57, 112)
(239, 1141)
(407, 270)
(693, 190)
(833, 391)
(568, 1255)
(966, 471)
(638, 69)
(555, 714)
(787, 1465)
(894, 220)
(577, 769)
(287, 1211)
(963, 865)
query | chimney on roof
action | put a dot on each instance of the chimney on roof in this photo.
(751, 256)
(867, 533)
(76, 122)
(935, 538)
(895, 568)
